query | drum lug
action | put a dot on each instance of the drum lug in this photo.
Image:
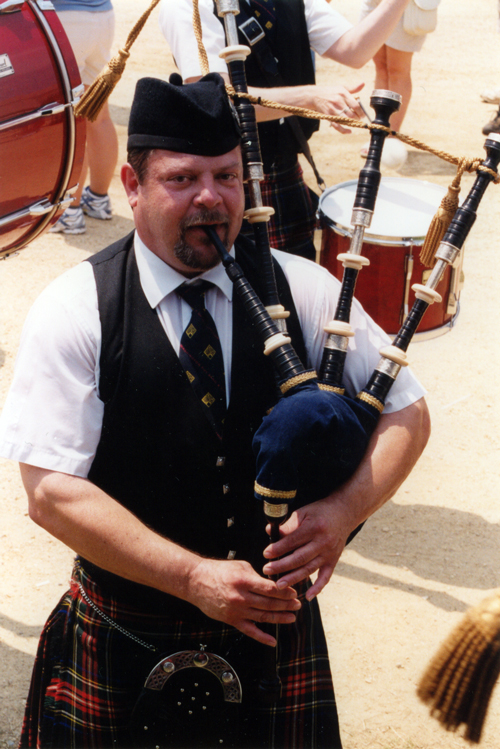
(76, 94)
(11, 6)
(456, 285)
(45, 4)
(38, 209)
(52, 109)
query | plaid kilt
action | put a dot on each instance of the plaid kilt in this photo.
(291, 229)
(88, 675)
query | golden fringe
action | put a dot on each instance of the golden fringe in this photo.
(99, 91)
(443, 217)
(459, 680)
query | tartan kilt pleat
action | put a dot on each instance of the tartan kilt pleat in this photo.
(88, 675)
(291, 229)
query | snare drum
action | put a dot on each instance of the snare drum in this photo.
(41, 142)
(403, 212)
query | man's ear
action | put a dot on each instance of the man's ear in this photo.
(130, 183)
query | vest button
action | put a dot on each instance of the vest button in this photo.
(226, 489)
(221, 461)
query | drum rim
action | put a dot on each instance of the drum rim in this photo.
(370, 238)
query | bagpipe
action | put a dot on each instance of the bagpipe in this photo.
(314, 438)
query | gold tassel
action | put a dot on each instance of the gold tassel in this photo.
(459, 680)
(99, 91)
(441, 221)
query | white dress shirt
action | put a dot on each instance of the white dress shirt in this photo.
(325, 26)
(53, 414)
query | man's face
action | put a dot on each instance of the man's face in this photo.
(180, 194)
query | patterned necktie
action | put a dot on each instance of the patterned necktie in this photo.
(265, 12)
(201, 355)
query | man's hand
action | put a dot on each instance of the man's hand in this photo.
(336, 100)
(233, 593)
(313, 539)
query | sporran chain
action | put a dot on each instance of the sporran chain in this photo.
(112, 623)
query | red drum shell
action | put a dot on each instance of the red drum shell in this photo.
(385, 285)
(41, 142)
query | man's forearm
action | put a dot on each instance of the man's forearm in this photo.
(94, 525)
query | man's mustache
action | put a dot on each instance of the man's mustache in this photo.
(204, 217)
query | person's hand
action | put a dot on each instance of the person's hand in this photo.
(312, 540)
(232, 592)
(337, 100)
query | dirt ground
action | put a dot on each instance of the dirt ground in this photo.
(433, 550)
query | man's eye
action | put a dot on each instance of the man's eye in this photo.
(228, 177)
(179, 179)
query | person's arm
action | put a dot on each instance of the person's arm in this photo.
(358, 45)
(314, 536)
(94, 525)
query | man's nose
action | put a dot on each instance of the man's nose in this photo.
(208, 195)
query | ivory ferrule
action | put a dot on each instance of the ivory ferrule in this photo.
(388, 367)
(336, 327)
(337, 342)
(426, 293)
(350, 260)
(395, 354)
(235, 52)
(274, 342)
(277, 312)
(259, 213)
(447, 252)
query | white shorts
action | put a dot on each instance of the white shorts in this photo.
(91, 36)
(399, 39)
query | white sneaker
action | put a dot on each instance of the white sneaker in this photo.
(492, 96)
(96, 206)
(71, 222)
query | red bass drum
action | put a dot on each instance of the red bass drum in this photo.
(41, 142)
(403, 213)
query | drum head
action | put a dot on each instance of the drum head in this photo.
(403, 211)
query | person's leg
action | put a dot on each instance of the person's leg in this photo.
(102, 151)
(381, 72)
(399, 80)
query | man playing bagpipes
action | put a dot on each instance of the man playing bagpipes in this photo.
(281, 34)
(138, 388)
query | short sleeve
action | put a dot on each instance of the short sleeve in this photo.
(52, 416)
(325, 25)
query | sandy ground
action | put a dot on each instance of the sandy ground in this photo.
(434, 549)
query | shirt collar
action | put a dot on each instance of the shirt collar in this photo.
(158, 279)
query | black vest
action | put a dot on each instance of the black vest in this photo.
(292, 52)
(158, 454)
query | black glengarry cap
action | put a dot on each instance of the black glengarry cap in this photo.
(195, 118)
